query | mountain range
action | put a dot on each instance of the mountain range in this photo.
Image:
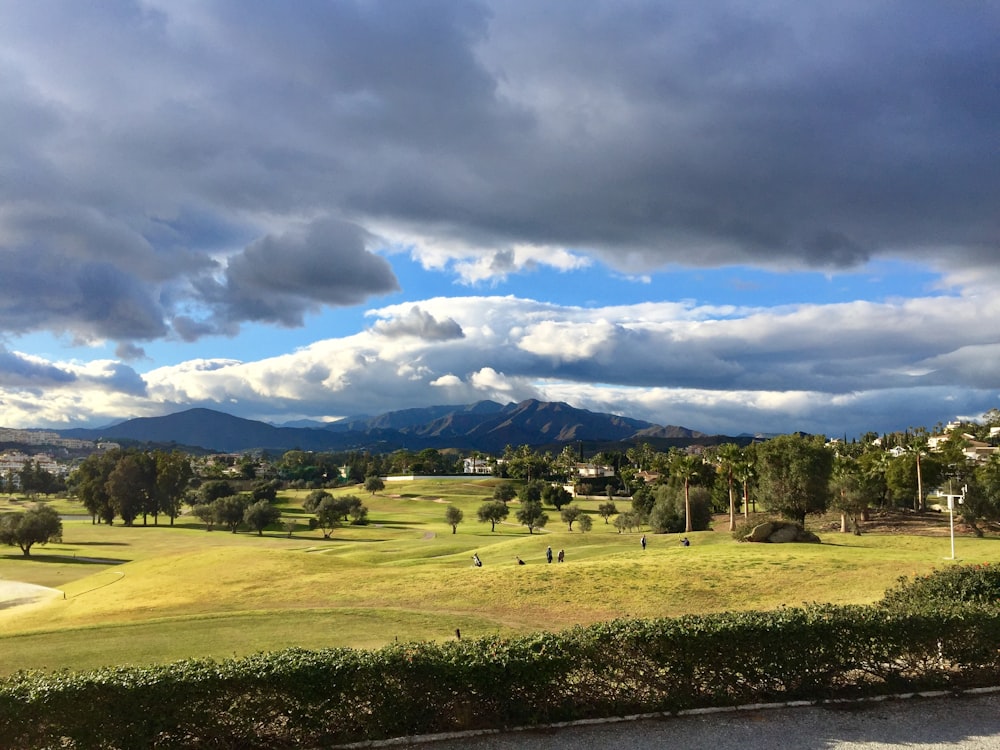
(486, 426)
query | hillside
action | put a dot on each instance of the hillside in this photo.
(485, 426)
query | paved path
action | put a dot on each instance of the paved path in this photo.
(950, 723)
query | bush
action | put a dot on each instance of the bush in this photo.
(667, 516)
(977, 584)
(299, 698)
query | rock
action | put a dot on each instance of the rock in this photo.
(780, 532)
(760, 532)
(783, 534)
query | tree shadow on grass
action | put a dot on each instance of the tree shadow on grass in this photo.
(66, 559)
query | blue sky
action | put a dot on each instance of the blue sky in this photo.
(733, 217)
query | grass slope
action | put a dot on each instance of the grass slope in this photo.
(155, 594)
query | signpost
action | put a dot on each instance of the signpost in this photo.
(951, 515)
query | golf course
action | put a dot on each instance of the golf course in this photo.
(160, 593)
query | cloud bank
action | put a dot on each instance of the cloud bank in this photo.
(714, 369)
(178, 170)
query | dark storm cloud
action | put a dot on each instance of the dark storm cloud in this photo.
(18, 371)
(85, 299)
(129, 351)
(178, 142)
(421, 324)
(279, 277)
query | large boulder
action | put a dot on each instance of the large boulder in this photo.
(760, 532)
(780, 532)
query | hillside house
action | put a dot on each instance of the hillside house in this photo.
(593, 471)
(480, 466)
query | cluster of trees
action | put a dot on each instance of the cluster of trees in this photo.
(32, 479)
(218, 502)
(319, 470)
(331, 512)
(530, 513)
(130, 483)
(790, 475)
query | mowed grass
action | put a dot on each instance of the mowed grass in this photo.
(156, 594)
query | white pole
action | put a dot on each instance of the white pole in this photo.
(951, 519)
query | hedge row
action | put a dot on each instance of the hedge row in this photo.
(299, 698)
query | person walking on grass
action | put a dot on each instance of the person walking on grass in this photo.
(548, 554)
(562, 556)
(643, 541)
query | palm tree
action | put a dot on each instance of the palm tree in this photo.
(918, 447)
(685, 467)
(744, 473)
(728, 456)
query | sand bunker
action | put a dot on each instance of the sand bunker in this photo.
(16, 593)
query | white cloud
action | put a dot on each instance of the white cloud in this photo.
(826, 368)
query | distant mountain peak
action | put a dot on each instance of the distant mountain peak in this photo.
(484, 425)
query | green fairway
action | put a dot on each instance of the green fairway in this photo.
(153, 594)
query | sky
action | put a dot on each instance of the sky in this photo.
(737, 217)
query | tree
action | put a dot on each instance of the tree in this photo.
(265, 490)
(89, 482)
(36, 479)
(205, 512)
(532, 516)
(982, 499)
(130, 486)
(642, 501)
(901, 477)
(918, 447)
(641, 456)
(492, 511)
(585, 522)
(229, 511)
(216, 488)
(676, 509)
(173, 475)
(260, 515)
(565, 463)
(504, 492)
(453, 516)
(571, 513)
(556, 496)
(745, 473)
(313, 499)
(247, 466)
(847, 492)
(794, 475)
(606, 510)
(729, 456)
(684, 467)
(531, 492)
(627, 521)
(329, 515)
(359, 513)
(374, 483)
(351, 507)
(37, 525)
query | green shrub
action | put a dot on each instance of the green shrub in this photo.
(299, 698)
(978, 584)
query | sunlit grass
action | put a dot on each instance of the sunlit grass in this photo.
(148, 594)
